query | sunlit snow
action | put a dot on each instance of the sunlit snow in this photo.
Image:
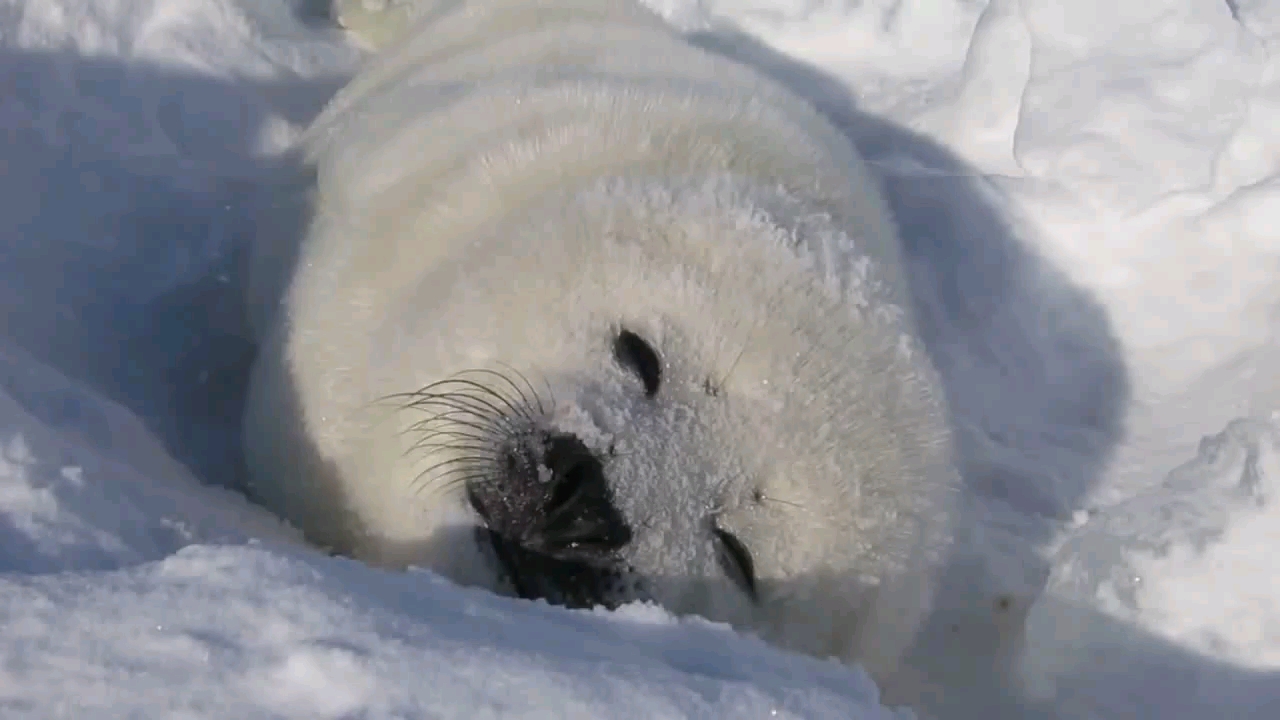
(1089, 196)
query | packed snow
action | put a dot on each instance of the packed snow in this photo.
(1089, 194)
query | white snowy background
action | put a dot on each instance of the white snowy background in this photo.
(1089, 192)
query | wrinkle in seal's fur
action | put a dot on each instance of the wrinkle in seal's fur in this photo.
(507, 184)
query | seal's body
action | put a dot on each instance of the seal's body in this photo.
(583, 313)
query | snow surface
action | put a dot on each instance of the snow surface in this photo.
(1089, 193)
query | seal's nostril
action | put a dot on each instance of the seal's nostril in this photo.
(576, 475)
(567, 487)
(578, 514)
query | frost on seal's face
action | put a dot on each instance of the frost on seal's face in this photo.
(546, 508)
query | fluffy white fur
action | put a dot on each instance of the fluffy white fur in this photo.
(510, 182)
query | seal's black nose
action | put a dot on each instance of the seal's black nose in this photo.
(579, 519)
(552, 524)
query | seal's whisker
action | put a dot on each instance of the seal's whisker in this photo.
(421, 446)
(734, 365)
(420, 477)
(451, 411)
(458, 400)
(414, 399)
(440, 488)
(479, 398)
(448, 408)
(425, 425)
(466, 480)
(457, 435)
(766, 498)
(434, 445)
(523, 409)
(525, 402)
(406, 396)
(537, 398)
(431, 446)
(471, 466)
(522, 406)
(435, 405)
(470, 421)
(454, 430)
(479, 406)
(455, 459)
(462, 471)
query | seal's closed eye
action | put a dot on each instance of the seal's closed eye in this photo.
(638, 356)
(736, 561)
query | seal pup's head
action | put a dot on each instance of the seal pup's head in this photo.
(546, 511)
(676, 397)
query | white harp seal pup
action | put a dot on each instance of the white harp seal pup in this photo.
(580, 312)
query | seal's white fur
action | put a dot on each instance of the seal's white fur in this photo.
(508, 184)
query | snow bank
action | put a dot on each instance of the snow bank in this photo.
(244, 632)
(85, 486)
(1173, 592)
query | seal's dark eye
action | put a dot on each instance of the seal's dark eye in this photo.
(736, 562)
(633, 353)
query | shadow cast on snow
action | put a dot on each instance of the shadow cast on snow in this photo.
(121, 270)
(129, 188)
